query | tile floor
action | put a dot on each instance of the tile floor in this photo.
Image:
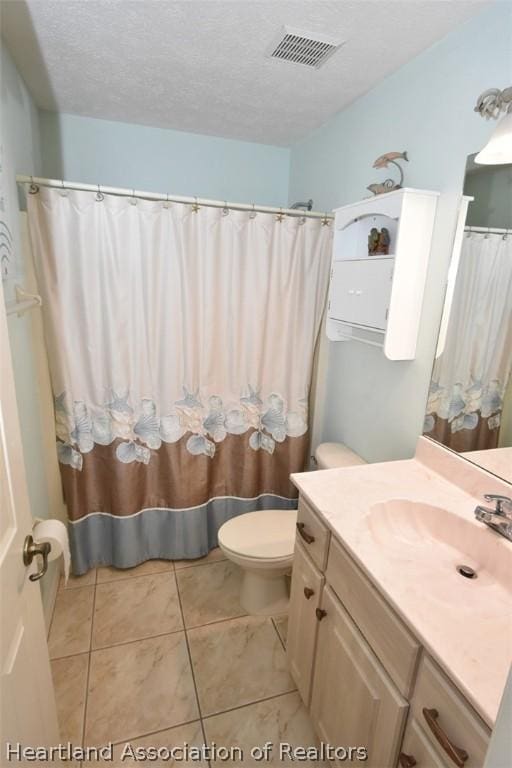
(163, 654)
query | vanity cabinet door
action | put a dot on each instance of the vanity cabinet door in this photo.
(307, 584)
(354, 703)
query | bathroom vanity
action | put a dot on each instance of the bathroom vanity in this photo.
(390, 645)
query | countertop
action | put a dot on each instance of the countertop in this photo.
(465, 625)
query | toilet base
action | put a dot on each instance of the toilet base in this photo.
(265, 593)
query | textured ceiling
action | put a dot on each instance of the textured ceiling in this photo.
(201, 65)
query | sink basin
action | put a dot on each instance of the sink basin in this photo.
(434, 541)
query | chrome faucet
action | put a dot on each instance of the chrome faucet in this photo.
(500, 518)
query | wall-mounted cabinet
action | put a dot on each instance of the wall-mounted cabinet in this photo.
(381, 249)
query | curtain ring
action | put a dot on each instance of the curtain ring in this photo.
(280, 215)
(33, 188)
(133, 199)
(302, 220)
(165, 203)
(225, 210)
(99, 195)
(195, 206)
(253, 213)
(326, 221)
(63, 191)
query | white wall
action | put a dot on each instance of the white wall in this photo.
(159, 160)
(374, 405)
(21, 153)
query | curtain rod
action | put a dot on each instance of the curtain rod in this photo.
(491, 230)
(101, 189)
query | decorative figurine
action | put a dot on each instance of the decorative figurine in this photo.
(373, 241)
(378, 242)
(384, 241)
(382, 162)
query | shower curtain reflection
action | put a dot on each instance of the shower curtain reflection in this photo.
(470, 377)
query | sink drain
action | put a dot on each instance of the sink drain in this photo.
(467, 571)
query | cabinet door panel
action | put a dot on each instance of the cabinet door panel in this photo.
(354, 703)
(361, 290)
(307, 584)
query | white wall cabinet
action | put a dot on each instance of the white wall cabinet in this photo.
(363, 673)
(360, 296)
(377, 299)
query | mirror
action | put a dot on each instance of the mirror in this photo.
(469, 407)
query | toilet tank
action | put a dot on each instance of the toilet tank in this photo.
(332, 455)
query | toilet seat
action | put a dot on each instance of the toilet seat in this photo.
(266, 535)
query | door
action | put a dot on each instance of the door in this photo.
(353, 702)
(27, 703)
(361, 291)
(307, 583)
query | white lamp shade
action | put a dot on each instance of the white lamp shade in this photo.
(498, 150)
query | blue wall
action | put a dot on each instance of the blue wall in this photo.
(374, 405)
(161, 160)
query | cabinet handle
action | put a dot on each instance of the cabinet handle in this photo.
(308, 538)
(458, 755)
(406, 761)
(320, 614)
(308, 592)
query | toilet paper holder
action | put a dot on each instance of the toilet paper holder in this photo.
(32, 548)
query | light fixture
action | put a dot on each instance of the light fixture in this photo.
(490, 104)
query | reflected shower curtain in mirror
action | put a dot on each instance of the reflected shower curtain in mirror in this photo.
(180, 343)
(471, 375)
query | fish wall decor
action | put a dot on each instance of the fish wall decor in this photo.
(388, 185)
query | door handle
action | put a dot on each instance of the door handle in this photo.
(32, 548)
(456, 754)
(308, 538)
(406, 761)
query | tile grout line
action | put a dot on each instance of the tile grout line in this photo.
(278, 634)
(155, 573)
(251, 703)
(191, 664)
(207, 717)
(89, 664)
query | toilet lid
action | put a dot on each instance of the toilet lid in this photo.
(265, 534)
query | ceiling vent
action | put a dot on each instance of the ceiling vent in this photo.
(302, 48)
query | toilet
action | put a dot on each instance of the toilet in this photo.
(261, 543)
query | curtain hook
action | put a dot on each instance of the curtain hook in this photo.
(225, 210)
(326, 222)
(195, 206)
(99, 195)
(63, 191)
(280, 215)
(165, 203)
(133, 199)
(33, 188)
(253, 213)
(302, 220)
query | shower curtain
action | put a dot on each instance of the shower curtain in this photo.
(471, 375)
(180, 342)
